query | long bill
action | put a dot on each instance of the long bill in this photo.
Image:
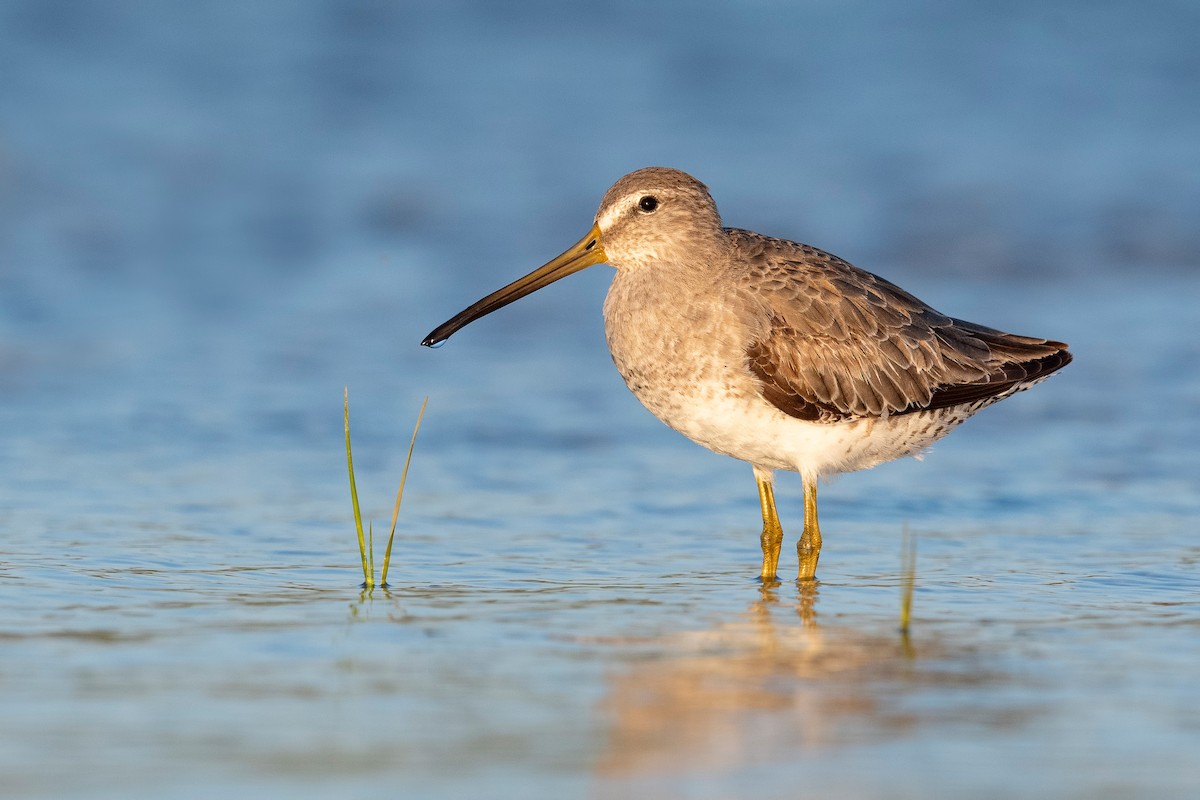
(587, 251)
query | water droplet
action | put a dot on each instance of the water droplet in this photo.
(436, 345)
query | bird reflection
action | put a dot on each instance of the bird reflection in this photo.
(760, 688)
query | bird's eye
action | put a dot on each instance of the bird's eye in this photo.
(648, 204)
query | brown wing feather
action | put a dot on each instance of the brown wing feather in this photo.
(837, 342)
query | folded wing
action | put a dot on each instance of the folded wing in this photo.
(836, 342)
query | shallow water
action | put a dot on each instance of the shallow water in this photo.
(210, 224)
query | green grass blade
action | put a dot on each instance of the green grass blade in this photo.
(387, 555)
(368, 580)
(909, 557)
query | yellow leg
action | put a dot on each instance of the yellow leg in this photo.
(809, 546)
(772, 535)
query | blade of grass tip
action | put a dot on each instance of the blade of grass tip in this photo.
(909, 556)
(362, 545)
(387, 554)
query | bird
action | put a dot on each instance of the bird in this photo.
(774, 352)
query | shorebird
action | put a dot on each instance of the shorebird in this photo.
(772, 351)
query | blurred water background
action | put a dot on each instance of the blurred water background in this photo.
(215, 216)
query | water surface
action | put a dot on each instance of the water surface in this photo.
(213, 219)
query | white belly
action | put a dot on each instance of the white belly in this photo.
(752, 430)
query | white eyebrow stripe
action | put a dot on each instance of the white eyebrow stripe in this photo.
(615, 210)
